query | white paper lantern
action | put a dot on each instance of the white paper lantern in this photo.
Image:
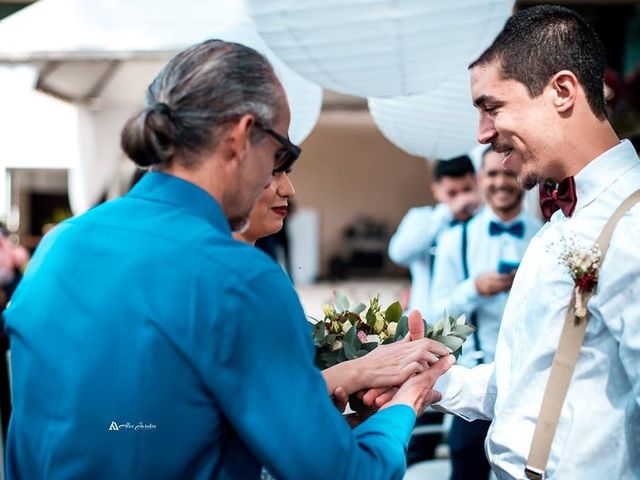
(378, 48)
(437, 125)
(84, 37)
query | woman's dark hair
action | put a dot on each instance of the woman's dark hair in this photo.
(195, 96)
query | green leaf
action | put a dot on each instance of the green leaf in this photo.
(454, 343)
(428, 331)
(369, 346)
(351, 338)
(349, 351)
(371, 318)
(462, 331)
(359, 308)
(446, 327)
(393, 312)
(439, 326)
(342, 302)
(402, 328)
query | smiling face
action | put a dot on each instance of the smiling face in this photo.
(522, 128)
(254, 173)
(270, 209)
(500, 187)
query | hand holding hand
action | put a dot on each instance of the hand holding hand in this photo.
(417, 391)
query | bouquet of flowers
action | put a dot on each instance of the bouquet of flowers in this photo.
(348, 332)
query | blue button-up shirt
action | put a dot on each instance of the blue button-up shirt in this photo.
(147, 343)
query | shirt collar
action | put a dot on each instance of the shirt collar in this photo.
(169, 189)
(601, 172)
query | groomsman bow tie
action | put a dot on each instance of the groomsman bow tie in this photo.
(562, 196)
(516, 229)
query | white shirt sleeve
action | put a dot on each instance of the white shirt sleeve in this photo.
(417, 232)
(469, 393)
(618, 293)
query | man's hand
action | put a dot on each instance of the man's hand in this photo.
(491, 283)
(377, 397)
(417, 391)
(340, 398)
(465, 205)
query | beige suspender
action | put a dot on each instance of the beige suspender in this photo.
(564, 362)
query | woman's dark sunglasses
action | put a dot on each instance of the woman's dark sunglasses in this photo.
(285, 156)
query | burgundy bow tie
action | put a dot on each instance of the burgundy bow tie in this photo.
(562, 196)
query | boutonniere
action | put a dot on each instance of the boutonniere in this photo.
(583, 262)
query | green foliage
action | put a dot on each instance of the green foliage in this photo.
(370, 326)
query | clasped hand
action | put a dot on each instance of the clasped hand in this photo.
(399, 373)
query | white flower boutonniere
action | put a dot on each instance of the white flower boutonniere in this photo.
(583, 262)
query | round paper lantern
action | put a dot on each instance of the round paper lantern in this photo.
(437, 125)
(378, 48)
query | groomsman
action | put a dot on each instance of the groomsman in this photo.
(455, 189)
(539, 90)
(474, 268)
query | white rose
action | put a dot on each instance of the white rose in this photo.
(337, 345)
(391, 329)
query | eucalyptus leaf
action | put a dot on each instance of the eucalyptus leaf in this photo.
(349, 351)
(342, 302)
(369, 346)
(446, 327)
(393, 312)
(439, 326)
(461, 320)
(454, 343)
(351, 338)
(359, 308)
(462, 331)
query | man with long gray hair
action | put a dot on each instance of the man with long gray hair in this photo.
(147, 343)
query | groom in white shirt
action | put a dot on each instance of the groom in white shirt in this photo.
(539, 90)
(473, 272)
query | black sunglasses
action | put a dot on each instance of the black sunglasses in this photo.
(285, 156)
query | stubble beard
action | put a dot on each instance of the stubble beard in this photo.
(528, 180)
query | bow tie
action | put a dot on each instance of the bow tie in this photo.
(516, 229)
(562, 196)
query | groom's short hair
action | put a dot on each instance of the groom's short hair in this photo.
(538, 42)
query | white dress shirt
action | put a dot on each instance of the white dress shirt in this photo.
(410, 247)
(450, 291)
(598, 435)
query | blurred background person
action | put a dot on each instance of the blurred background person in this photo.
(475, 265)
(455, 189)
